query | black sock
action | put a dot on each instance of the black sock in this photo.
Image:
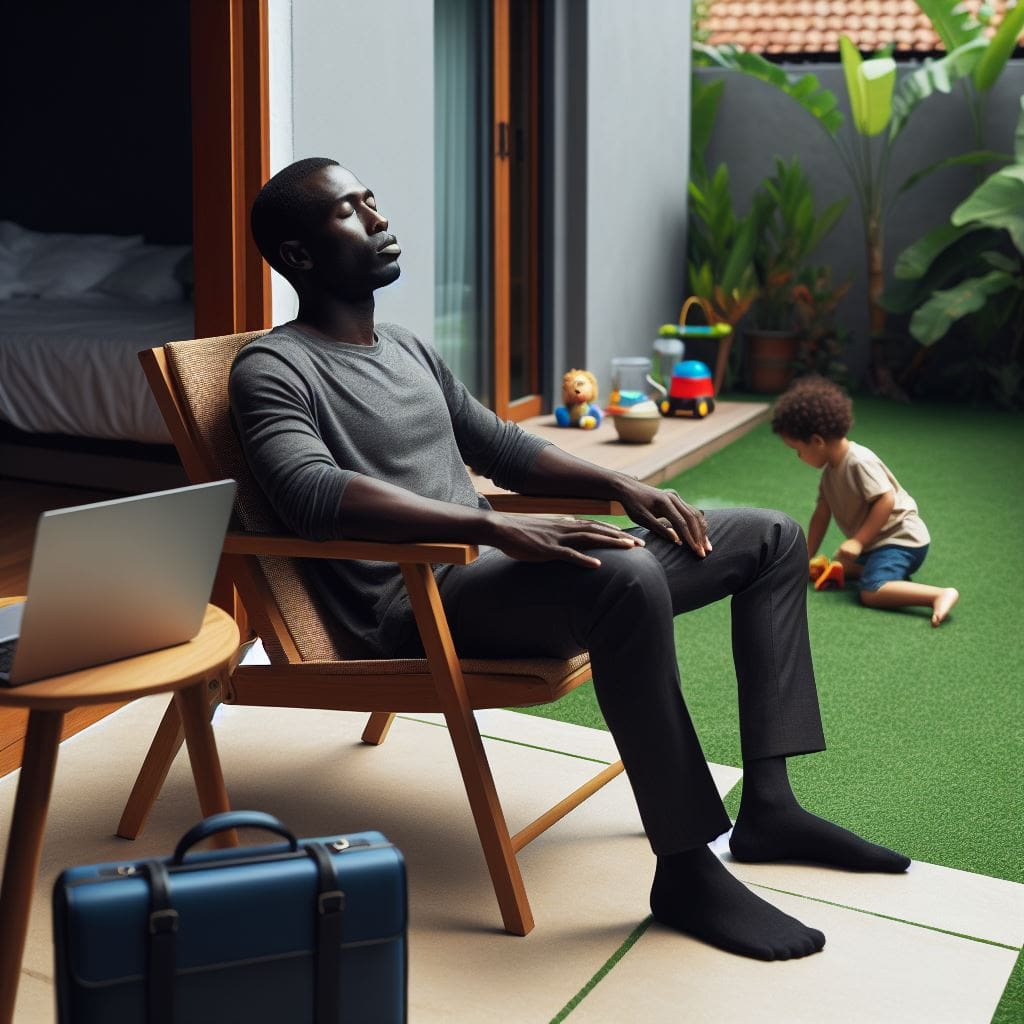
(771, 825)
(694, 893)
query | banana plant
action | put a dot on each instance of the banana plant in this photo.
(881, 107)
(956, 26)
(973, 265)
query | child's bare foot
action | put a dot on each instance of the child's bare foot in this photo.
(943, 603)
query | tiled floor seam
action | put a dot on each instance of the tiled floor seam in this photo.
(46, 979)
(887, 917)
(603, 970)
(515, 743)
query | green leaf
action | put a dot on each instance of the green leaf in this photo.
(998, 261)
(870, 85)
(959, 260)
(931, 77)
(915, 260)
(821, 104)
(997, 202)
(1018, 135)
(827, 221)
(999, 49)
(980, 156)
(934, 319)
(704, 102)
(952, 20)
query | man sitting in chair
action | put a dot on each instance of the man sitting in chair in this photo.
(358, 430)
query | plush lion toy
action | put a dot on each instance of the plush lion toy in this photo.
(579, 395)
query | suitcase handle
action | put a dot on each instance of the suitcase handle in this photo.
(231, 819)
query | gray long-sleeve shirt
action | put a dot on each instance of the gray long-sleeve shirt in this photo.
(312, 414)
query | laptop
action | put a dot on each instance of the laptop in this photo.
(114, 579)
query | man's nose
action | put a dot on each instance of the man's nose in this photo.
(377, 221)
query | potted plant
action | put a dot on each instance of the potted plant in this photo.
(791, 230)
(821, 346)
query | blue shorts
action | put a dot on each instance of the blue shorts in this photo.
(890, 562)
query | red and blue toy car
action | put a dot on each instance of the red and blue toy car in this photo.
(690, 392)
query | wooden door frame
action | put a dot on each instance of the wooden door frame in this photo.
(230, 162)
(501, 163)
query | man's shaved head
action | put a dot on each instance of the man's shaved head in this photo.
(286, 208)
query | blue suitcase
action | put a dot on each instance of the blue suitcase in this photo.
(309, 930)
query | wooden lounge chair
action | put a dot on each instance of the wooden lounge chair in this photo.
(313, 663)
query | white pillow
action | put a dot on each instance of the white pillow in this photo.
(62, 265)
(147, 275)
(16, 244)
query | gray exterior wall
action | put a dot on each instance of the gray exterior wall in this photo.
(756, 123)
(628, 102)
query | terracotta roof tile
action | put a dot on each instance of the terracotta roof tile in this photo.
(814, 26)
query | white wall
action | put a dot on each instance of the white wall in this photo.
(356, 83)
(282, 143)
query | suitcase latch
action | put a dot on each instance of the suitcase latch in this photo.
(339, 845)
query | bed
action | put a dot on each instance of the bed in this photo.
(74, 312)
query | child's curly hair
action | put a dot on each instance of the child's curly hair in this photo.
(813, 405)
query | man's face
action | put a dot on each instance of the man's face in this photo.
(350, 250)
(812, 452)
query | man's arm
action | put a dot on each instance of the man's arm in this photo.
(371, 509)
(820, 519)
(558, 474)
(878, 515)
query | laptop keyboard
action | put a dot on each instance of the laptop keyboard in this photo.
(7, 658)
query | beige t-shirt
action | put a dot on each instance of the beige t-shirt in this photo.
(850, 489)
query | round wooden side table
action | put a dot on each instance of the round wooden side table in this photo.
(187, 670)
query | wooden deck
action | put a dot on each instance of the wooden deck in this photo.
(679, 444)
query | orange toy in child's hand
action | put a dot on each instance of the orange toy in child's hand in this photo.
(832, 578)
(818, 565)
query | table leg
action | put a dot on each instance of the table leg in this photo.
(202, 753)
(24, 846)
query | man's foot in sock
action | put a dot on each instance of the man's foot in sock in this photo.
(795, 834)
(943, 603)
(694, 893)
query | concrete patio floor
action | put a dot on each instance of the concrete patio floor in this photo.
(934, 945)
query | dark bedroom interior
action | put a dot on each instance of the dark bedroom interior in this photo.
(95, 234)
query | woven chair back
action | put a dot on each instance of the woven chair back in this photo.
(199, 371)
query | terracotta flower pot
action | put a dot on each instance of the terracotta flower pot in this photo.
(770, 360)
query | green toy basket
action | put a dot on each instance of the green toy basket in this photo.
(710, 342)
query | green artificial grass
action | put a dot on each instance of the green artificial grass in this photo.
(925, 727)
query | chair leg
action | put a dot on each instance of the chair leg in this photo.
(162, 751)
(376, 730)
(165, 746)
(469, 749)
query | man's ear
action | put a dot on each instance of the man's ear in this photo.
(294, 256)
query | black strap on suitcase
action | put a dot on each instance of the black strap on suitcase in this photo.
(163, 919)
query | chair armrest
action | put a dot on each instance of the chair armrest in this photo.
(266, 545)
(506, 502)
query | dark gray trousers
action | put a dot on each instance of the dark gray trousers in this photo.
(622, 613)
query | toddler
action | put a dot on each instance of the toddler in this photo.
(886, 539)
